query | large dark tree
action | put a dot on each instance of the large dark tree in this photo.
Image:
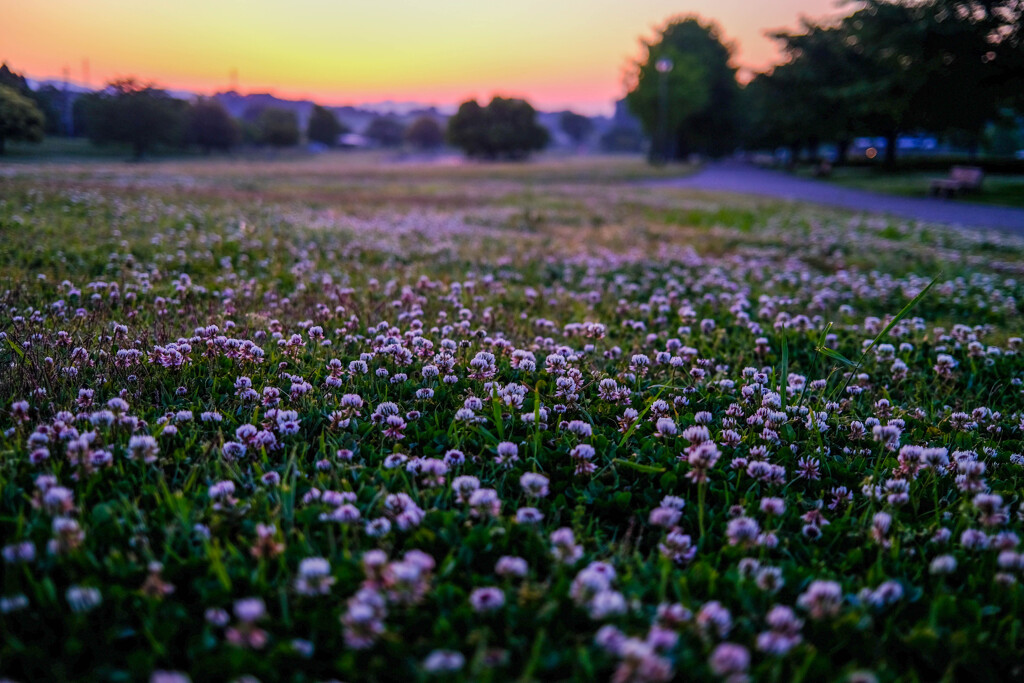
(278, 127)
(53, 103)
(138, 114)
(1010, 63)
(210, 126)
(818, 73)
(20, 118)
(425, 133)
(385, 131)
(324, 127)
(895, 66)
(764, 122)
(967, 49)
(506, 128)
(48, 99)
(700, 91)
(13, 80)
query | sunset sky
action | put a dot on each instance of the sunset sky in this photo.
(556, 53)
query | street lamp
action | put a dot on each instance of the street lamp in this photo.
(663, 66)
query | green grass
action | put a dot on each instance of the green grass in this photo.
(552, 318)
(55, 149)
(1002, 190)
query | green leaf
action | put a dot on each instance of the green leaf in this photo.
(821, 338)
(496, 411)
(840, 388)
(902, 314)
(646, 469)
(640, 417)
(835, 355)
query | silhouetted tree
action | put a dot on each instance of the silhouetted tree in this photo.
(138, 114)
(13, 80)
(49, 99)
(920, 54)
(807, 99)
(425, 133)
(210, 126)
(893, 66)
(324, 127)
(468, 129)
(576, 126)
(53, 102)
(278, 127)
(505, 128)
(701, 90)
(20, 118)
(385, 131)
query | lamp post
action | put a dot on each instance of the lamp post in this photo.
(663, 66)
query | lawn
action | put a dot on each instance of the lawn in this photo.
(1005, 190)
(341, 418)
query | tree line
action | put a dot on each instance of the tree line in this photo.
(890, 67)
(144, 117)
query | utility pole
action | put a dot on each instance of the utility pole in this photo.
(663, 67)
(69, 122)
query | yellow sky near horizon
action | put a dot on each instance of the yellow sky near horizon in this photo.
(557, 53)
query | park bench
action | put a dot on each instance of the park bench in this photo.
(961, 179)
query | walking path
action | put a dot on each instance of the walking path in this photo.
(746, 179)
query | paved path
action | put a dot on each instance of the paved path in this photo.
(747, 179)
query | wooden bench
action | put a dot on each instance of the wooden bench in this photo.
(961, 179)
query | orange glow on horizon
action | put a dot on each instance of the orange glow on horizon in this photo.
(557, 54)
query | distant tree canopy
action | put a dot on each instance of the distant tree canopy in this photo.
(48, 99)
(251, 113)
(385, 131)
(425, 133)
(53, 102)
(577, 126)
(210, 126)
(504, 129)
(892, 67)
(138, 114)
(20, 118)
(324, 127)
(700, 91)
(12, 80)
(278, 127)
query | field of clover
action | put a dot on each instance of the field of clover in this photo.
(303, 421)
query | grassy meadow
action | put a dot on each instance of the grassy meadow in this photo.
(996, 189)
(338, 418)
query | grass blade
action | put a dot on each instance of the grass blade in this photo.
(640, 417)
(784, 380)
(901, 315)
(646, 469)
(881, 335)
(15, 348)
(835, 355)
